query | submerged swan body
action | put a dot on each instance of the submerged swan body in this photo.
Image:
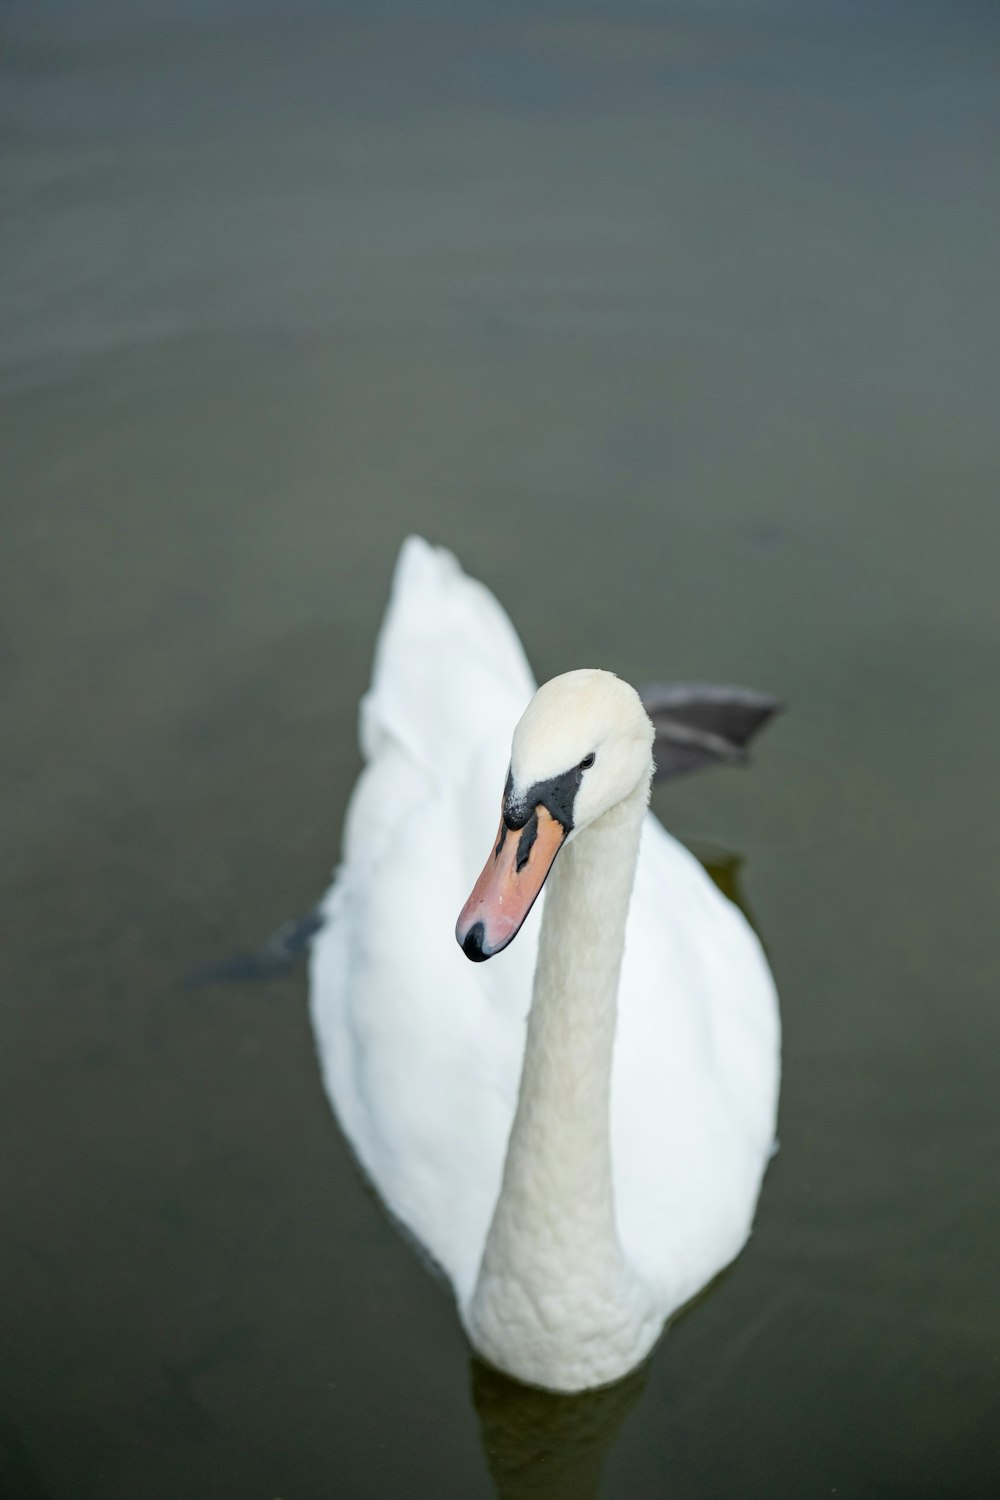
(577, 1130)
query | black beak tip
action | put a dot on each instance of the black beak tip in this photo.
(472, 945)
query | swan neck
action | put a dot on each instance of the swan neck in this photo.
(564, 1099)
(554, 1223)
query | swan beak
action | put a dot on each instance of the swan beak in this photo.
(506, 890)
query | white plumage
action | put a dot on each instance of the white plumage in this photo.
(422, 1051)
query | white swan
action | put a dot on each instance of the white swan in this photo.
(580, 1179)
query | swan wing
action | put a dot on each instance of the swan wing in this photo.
(421, 1050)
(695, 1074)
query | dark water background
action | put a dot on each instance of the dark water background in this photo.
(679, 324)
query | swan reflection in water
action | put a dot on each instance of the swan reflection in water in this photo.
(540, 1445)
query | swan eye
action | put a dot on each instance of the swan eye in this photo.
(588, 761)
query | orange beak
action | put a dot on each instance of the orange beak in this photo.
(506, 890)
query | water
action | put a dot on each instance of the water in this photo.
(679, 325)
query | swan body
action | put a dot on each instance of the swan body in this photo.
(576, 1131)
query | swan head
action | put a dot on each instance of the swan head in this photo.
(583, 745)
